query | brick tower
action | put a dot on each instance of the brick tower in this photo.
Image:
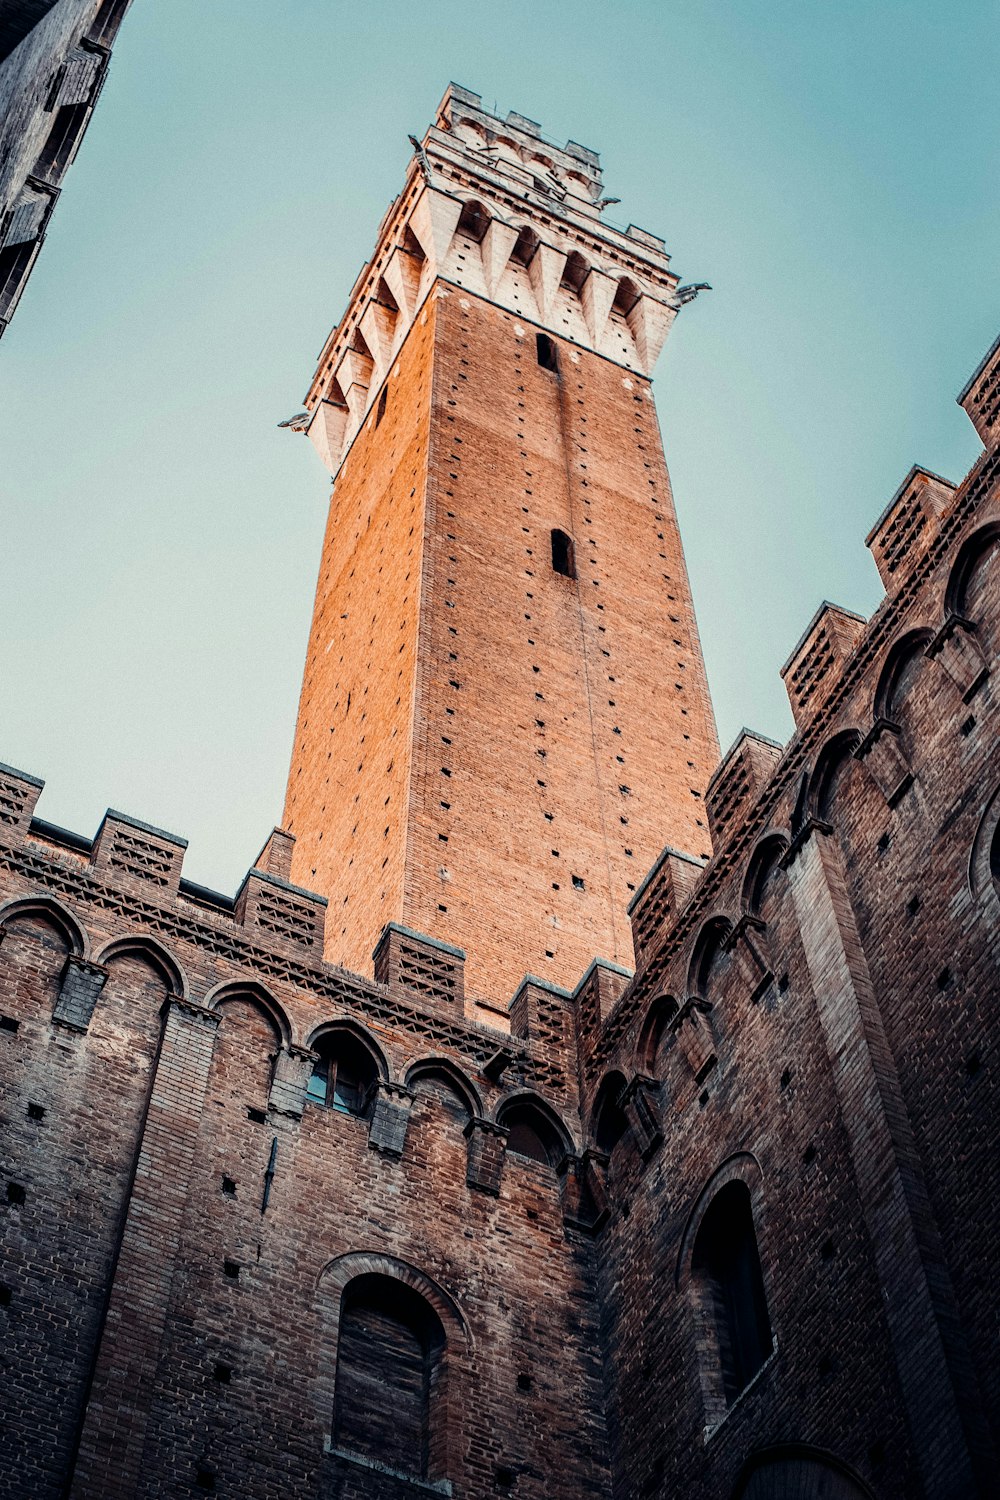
(504, 709)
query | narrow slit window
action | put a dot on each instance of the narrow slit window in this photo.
(563, 560)
(548, 356)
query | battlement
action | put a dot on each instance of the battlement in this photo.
(492, 208)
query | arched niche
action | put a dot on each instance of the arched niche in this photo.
(38, 938)
(627, 295)
(709, 956)
(654, 1035)
(473, 221)
(152, 952)
(536, 1132)
(246, 1049)
(439, 1079)
(54, 914)
(575, 272)
(608, 1120)
(904, 665)
(764, 875)
(835, 765)
(976, 557)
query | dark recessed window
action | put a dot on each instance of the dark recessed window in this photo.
(548, 356)
(343, 1074)
(562, 554)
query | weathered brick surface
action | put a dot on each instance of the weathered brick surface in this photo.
(811, 1031)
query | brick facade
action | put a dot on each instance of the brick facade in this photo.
(721, 1227)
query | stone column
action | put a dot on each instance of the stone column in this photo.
(949, 1435)
(109, 1460)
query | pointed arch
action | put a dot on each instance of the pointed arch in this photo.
(54, 912)
(575, 272)
(627, 295)
(658, 1017)
(154, 953)
(894, 678)
(444, 1070)
(743, 1167)
(525, 245)
(255, 992)
(337, 1273)
(970, 553)
(764, 861)
(707, 949)
(832, 759)
(608, 1121)
(474, 220)
(347, 1026)
(984, 859)
(526, 1113)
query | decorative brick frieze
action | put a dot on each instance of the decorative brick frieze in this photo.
(18, 795)
(286, 913)
(127, 850)
(431, 969)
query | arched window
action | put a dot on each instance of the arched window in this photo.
(343, 1074)
(390, 1357)
(562, 554)
(548, 356)
(725, 1267)
(610, 1120)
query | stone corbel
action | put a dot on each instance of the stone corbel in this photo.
(583, 1185)
(800, 839)
(487, 1150)
(956, 648)
(881, 751)
(639, 1103)
(545, 273)
(498, 242)
(82, 983)
(390, 1116)
(693, 1029)
(650, 323)
(597, 294)
(748, 946)
(292, 1071)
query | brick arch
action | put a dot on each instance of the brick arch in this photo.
(983, 854)
(835, 754)
(257, 995)
(527, 1098)
(154, 953)
(711, 937)
(337, 1274)
(346, 1025)
(443, 1067)
(798, 1471)
(969, 554)
(905, 649)
(54, 912)
(742, 1167)
(659, 1013)
(766, 854)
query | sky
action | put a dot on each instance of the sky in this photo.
(829, 169)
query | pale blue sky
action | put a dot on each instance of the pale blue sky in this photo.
(830, 169)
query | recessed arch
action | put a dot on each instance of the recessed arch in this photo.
(154, 953)
(903, 656)
(654, 1028)
(525, 246)
(443, 1070)
(627, 295)
(763, 863)
(835, 755)
(575, 272)
(536, 1129)
(798, 1471)
(346, 1025)
(256, 993)
(54, 912)
(708, 949)
(474, 220)
(608, 1120)
(969, 555)
(741, 1167)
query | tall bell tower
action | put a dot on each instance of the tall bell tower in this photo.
(504, 714)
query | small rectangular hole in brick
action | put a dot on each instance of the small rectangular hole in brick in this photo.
(8, 1023)
(229, 1187)
(15, 1192)
(258, 1116)
(231, 1269)
(223, 1373)
(36, 1112)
